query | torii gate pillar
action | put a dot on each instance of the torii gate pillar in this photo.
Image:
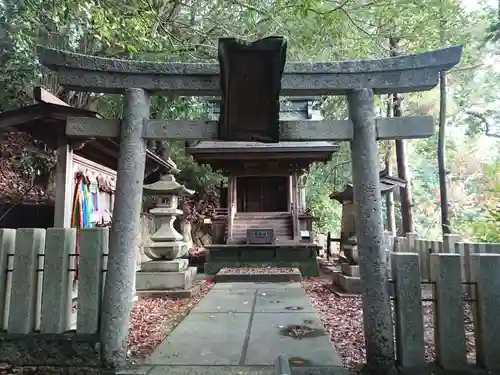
(123, 239)
(377, 318)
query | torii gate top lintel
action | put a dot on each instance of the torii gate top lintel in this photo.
(410, 73)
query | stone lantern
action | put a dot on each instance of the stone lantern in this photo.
(166, 242)
(166, 272)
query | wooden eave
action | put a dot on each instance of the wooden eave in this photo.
(47, 123)
(230, 155)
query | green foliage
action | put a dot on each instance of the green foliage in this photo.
(193, 175)
(485, 225)
(37, 162)
(166, 30)
(327, 211)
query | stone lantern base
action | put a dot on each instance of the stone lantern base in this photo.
(166, 277)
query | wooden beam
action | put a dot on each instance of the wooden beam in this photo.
(43, 96)
(181, 130)
(326, 130)
(410, 127)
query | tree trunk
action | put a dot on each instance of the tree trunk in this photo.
(402, 162)
(445, 224)
(389, 200)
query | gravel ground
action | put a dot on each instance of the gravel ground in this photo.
(343, 319)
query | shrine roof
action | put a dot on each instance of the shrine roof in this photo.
(387, 184)
(259, 147)
(47, 122)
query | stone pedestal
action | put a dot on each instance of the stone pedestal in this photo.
(166, 277)
(348, 279)
(349, 270)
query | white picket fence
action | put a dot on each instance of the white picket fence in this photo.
(36, 279)
(450, 267)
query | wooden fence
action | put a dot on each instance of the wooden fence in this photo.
(36, 281)
(448, 303)
(450, 268)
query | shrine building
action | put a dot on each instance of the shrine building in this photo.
(265, 218)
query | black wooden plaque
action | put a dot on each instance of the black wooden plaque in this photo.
(250, 82)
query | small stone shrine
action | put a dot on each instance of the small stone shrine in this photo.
(349, 279)
(166, 273)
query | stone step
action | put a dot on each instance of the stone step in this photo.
(284, 218)
(275, 227)
(238, 235)
(276, 230)
(261, 224)
(267, 215)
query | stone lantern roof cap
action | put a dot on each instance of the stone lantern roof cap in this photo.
(167, 185)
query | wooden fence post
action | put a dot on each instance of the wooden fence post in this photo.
(485, 271)
(410, 352)
(93, 243)
(7, 241)
(56, 292)
(23, 299)
(449, 330)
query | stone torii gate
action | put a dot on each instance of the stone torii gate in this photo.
(358, 80)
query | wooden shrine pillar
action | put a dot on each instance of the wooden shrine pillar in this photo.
(64, 166)
(295, 210)
(231, 206)
(64, 183)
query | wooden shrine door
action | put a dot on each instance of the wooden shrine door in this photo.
(262, 194)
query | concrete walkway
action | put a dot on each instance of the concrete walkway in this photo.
(247, 325)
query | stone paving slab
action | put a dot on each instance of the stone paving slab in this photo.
(278, 277)
(253, 286)
(212, 370)
(229, 370)
(225, 370)
(268, 340)
(280, 292)
(220, 301)
(242, 324)
(204, 339)
(278, 301)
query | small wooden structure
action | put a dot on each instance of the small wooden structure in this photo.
(262, 197)
(346, 199)
(262, 183)
(264, 205)
(46, 121)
